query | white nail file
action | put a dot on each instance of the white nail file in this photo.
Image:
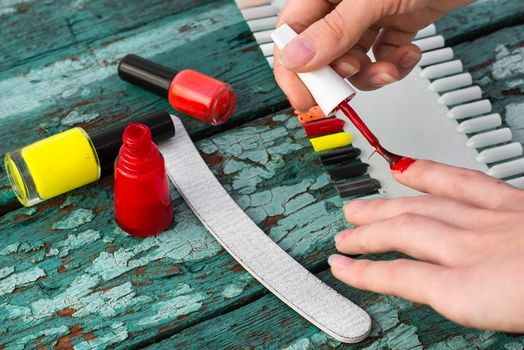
(254, 250)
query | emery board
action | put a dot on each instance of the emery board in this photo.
(253, 249)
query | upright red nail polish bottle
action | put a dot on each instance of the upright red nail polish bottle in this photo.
(198, 95)
(143, 205)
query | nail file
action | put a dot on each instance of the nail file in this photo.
(253, 249)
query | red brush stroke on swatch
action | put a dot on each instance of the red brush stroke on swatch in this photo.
(402, 165)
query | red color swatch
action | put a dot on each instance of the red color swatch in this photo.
(323, 127)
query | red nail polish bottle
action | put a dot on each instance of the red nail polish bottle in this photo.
(190, 92)
(143, 205)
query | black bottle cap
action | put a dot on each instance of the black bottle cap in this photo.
(146, 74)
(108, 142)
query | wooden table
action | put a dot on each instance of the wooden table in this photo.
(70, 278)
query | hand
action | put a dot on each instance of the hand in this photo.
(341, 32)
(466, 234)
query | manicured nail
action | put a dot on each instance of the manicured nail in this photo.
(381, 79)
(409, 59)
(346, 70)
(354, 206)
(297, 53)
(336, 260)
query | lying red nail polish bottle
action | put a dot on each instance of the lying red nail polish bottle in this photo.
(143, 205)
(190, 92)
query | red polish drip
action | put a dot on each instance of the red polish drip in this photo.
(403, 164)
(143, 205)
(322, 127)
(393, 159)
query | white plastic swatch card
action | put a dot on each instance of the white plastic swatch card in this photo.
(408, 120)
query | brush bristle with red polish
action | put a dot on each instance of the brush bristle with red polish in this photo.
(350, 113)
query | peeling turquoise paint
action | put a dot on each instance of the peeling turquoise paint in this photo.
(20, 343)
(75, 219)
(23, 278)
(75, 117)
(182, 302)
(115, 335)
(385, 317)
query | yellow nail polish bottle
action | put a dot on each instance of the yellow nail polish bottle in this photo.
(71, 159)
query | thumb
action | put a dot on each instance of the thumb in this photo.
(332, 36)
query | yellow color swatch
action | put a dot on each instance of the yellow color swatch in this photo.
(326, 142)
(62, 162)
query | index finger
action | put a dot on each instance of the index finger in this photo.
(464, 185)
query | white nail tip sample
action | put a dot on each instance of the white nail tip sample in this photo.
(497, 154)
(436, 56)
(263, 37)
(512, 168)
(267, 49)
(461, 96)
(490, 138)
(257, 25)
(259, 12)
(426, 31)
(430, 43)
(517, 182)
(442, 69)
(478, 124)
(243, 4)
(451, 83)
(470, 109)
(271, 61)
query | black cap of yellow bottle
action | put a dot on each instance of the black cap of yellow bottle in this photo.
(108, 142)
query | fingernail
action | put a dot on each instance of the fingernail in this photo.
(340, 236)
(409, 59)
(297, 53)
(354, 206)
(346, 70)
(381, 79)
(336, 260)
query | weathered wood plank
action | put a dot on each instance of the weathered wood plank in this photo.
(480, 18)
(81, 88)
(397, 324)
(69, 276)
(61, 24)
